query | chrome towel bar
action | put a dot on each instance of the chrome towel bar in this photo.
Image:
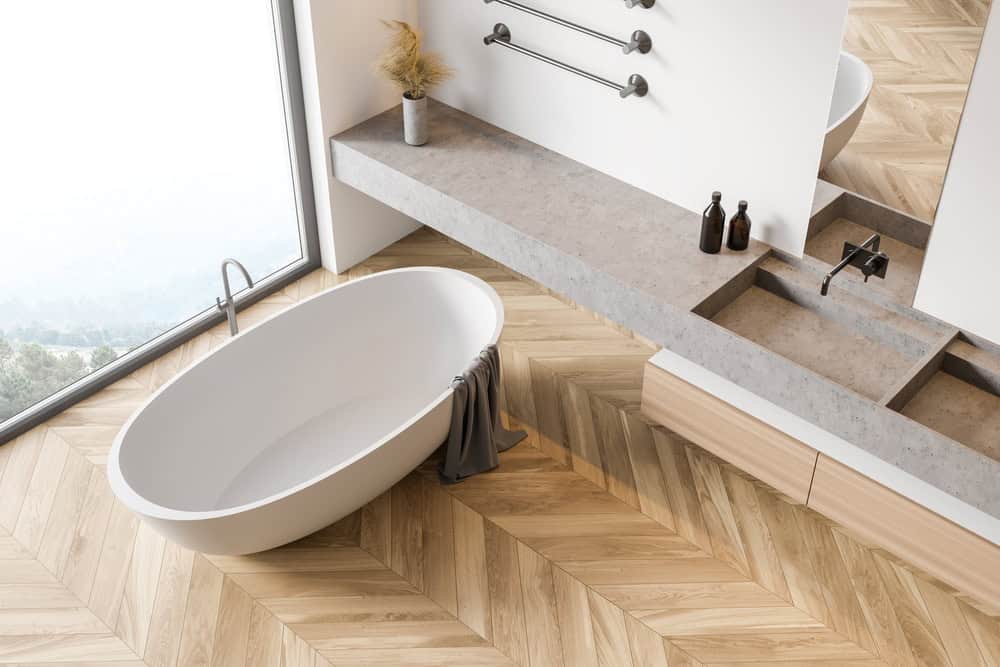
(501, 35)
(640, 40)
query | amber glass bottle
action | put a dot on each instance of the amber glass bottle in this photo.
(739, 229)
(713, 220)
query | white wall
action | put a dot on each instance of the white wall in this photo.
(960, 275)
(739, 94)
(338, 41)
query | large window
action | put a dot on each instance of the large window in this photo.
(140, 145)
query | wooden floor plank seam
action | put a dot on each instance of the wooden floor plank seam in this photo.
(669, 647)
(597, 592)
(13, 648)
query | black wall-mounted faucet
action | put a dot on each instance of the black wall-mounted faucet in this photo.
(871, 262)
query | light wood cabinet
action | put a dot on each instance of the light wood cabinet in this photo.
(729, 433)
(874, 512)
(910, 531)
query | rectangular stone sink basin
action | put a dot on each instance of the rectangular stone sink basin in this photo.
(857, 346)
(961, 398)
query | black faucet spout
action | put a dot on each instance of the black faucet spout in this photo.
(826, 284)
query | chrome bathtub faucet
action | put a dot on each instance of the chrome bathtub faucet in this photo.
(229, 305)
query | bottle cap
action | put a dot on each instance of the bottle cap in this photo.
(743, 203)
(716, 196)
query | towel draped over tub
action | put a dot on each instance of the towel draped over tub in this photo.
(477, 437)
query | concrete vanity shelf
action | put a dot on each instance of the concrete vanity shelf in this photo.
(633, 258)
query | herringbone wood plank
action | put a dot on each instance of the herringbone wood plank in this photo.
(599, 541)
(922, 53)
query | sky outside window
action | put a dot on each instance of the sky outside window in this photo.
(140, 144)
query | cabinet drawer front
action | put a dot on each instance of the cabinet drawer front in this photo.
(729, 433)
(914, 533)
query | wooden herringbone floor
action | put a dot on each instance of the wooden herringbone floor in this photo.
(922, 53)
(600, 541)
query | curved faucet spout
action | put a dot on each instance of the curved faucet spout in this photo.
(229, 261)
(229, 305)
(826, 284)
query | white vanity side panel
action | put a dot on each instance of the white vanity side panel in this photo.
(959, 279)
(739, 95)
(854, 457)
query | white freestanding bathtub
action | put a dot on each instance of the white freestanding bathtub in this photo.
(850, 98)
(304, 418)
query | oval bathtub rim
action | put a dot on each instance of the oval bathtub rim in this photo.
(869, 85)
(138, 503)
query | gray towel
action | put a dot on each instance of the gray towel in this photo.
(476, 436)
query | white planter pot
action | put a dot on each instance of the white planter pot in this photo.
(415, 121)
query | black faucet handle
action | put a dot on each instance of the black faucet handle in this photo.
(875, 265)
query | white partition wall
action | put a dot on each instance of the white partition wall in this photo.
(960, 275)
(739, 98)
(738, 102)
(338, 42)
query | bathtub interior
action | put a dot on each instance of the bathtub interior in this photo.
(304, 392)
(853, 85)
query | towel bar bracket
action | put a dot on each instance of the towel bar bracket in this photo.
(501, 33)
(636, 86)
(640, 41)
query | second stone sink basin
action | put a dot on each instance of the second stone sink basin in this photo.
(961, 397)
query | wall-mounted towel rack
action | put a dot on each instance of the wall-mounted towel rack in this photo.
(501, 35)
(640, 41)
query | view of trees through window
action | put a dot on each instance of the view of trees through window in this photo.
(30, 372)
(36, 361)
(143, 143)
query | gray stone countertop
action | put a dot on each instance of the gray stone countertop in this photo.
(632, 257)
(614, 227)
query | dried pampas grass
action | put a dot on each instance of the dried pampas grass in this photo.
(403, 63)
